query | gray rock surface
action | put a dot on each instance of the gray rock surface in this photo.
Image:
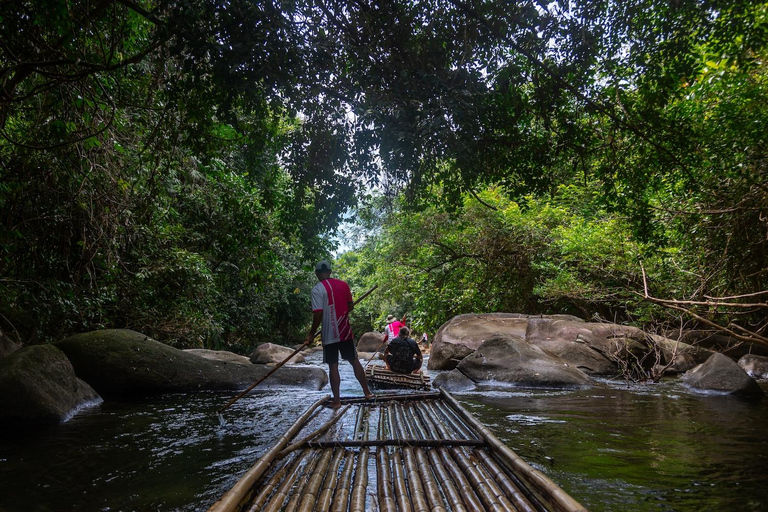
(454, 381)
(755, 366)
(721, 373)
(220, 355)
(7, 346)
(370, 342)
(270, 353)
(510, 359)
(38, 385)
(463, 334)
(124, 362)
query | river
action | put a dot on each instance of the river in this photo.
(613, 448)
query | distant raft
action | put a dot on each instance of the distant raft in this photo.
(381, 378)
(407, 452)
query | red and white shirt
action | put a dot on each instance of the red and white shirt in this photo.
(332, 297)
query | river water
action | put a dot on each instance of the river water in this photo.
(613, 447)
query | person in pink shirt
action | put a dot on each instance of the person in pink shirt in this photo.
(392, 329)
(331, 304)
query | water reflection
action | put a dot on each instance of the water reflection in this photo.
(649, 447)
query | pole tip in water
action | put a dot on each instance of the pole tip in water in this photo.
(222, 421)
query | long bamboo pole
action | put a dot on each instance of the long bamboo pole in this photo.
(493, 498)
(432, 488)
(556, 496)
(295, 491)
(401, 489)
(276, 480)
(281, 363)
(342, 494)
(233, 498)
(329, 485)
(276, 501)
(384, 481)
(418, 496)
(308, 497)
(513, 492)
(357, 498)
(391, 398)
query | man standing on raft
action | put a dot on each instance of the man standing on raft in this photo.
(331, 304)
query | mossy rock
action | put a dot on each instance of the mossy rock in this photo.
(39, 385)
(125, 362)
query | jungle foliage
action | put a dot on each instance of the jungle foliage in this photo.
(174, 167)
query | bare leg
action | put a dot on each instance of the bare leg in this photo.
(335, 379)
(360, 375)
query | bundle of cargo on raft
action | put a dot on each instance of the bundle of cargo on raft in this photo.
(380, 377)
(416, 452)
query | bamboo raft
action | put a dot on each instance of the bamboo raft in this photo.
(408, 453)
(380, 377)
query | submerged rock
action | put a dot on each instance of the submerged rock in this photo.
(721, 373)
(124, 362)
(755, 366)
(270, 353)
(454, 381)
(511, 360)
(38, 385)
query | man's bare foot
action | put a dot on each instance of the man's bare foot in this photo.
(334, 405)
(370, 396)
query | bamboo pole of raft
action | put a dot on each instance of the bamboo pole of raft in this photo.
(329, 484)
(310, 495)
(320, 431)
(240, 492)
(556, 496)
(418, 496)
(513, 492)
(442, 460)
(462, 429)
(277, 479)
(384, 482)
(297, 489)
(493, 497)
(360, 485)
(401, 489)
(275, 502)
(432, 488)
(342, 494)
(391, 398)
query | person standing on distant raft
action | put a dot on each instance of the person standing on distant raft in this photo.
(331, 304)
(392, 329)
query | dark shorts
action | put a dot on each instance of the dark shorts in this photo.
(331, 352)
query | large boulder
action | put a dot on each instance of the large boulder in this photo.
(511, 360)
(220, 355)
(755, 366)
(721, 373)
(677, 356)
(591, 347)
(463, 334)
(124, 362)
(38, 385)
(370, 342)
(270, 353)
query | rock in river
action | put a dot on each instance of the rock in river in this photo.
(755, 366)
(38, 385)
(511, 360)
(220, 355)
(721, 373)
(124, 362)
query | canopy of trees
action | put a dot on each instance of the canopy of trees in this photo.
(174, 167)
